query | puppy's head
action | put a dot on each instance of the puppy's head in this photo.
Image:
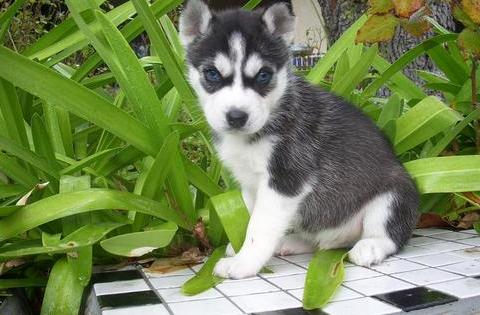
(238, 63)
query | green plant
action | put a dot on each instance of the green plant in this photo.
(124, 154)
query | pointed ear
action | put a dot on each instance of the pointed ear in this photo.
(194, 21)
(280, 21)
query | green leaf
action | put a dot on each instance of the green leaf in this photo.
(205, 279)
(322, 67)
(140, 243)
(62, 205)
(325, 274)
(7, 191)
(406, 58)
(422, 122)
(356, 74)
(399, 82)
(63, 294)
(79, 165)
(45, 83)
(251, 4)
(28, 156)
(22, 283)
(446, 174)
(450, 135)
(390, 111)
(7, 17)
(378, 28)
(84, 236)
(200, 179)
(15, 171)
(12, 114)
(233, 214)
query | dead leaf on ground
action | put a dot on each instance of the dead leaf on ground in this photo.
(468, 220)
(428, 220)
(189, 258)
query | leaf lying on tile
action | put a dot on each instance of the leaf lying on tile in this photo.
(325, 274)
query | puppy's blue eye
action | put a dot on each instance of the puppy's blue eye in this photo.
(212, 75)
(263, 77)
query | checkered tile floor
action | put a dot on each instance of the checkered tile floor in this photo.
(437, 273)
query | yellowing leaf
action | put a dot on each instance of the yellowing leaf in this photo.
(472, 9)
(378, 28)
(461, 16)
(416, 28)
(469, 41)
(405, 8)
(380, 6)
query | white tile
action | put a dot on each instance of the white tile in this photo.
(211, 307)
(469, 253)
(378, 285)
(474, 241)
(276, 261)
(436, 260)
(471, 231)
(197, 268)
(400, 265)
(120, 287)
(342, 294)
(462, 288)
(298, 258)
(363, 306)
(445, 247)
(283, 270)
(426, 276)
(182, 272)
(423, 240)
(451, 236)
(157, 309)
(175, 295)
(428, 232)
(289, 282)
(265, 302)
(357, 272)
(414, 251)
(169, 282)
(304, 264)
(241, 287)
(468, 268)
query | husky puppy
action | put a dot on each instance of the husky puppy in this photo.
(314, 171)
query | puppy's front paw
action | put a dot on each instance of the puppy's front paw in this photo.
(235, 268)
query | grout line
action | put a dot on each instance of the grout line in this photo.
(150, 285)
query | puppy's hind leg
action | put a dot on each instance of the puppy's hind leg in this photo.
(387, 225)
(293, 244)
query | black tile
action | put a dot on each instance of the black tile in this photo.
(116, 276)
(416, 298)
(292, 311)
(128, 299)
(477, 277)
(416, 235)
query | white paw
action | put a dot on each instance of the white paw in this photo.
(235, 268)
(230, 252)
(370, 251)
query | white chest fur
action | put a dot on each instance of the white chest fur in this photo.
(247, 161)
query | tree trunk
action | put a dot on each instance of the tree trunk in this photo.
(340, 14)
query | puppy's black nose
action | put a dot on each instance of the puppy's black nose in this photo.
(237, 118)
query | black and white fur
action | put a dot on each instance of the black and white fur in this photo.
(314, 171)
